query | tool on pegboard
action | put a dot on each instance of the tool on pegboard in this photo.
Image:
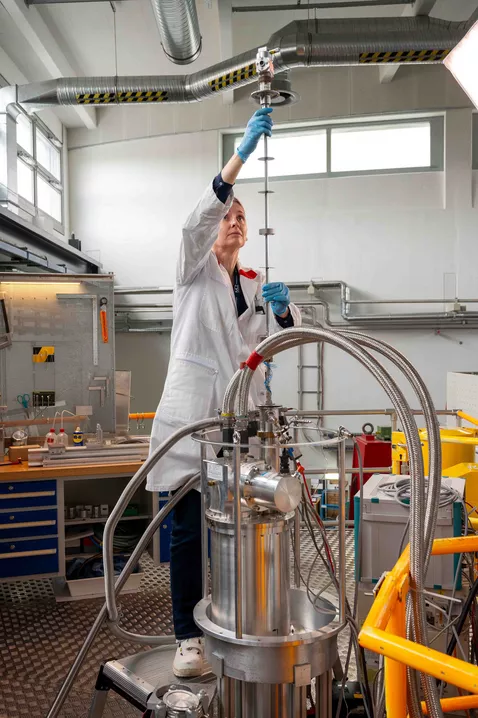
(104, 320)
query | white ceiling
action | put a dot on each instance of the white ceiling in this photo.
(84, 34)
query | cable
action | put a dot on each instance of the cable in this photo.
(463, 616)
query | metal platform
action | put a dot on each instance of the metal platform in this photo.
(137, 678)
(39, 638)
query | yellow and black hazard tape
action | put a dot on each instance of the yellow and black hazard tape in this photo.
(104, 98)
(95, 98)
(233, 77)
(148, 96)
(404, 56)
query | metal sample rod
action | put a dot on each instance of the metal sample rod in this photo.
(265, 94)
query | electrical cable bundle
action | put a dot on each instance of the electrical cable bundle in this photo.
(314, 523)
(126, 535)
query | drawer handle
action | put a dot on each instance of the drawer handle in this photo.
(29, 524)
(25, 554)
(12, 518)
(27, 495)
(10, 488)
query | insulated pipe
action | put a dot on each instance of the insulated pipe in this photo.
(416, 461)
(123, 502)
(178, 27)
(120, 582)
(314, 43)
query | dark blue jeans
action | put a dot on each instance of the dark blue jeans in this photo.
(186, 561)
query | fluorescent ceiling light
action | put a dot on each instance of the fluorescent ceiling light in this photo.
(462, 63)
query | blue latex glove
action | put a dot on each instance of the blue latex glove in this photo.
(277, 293)
(259, 124)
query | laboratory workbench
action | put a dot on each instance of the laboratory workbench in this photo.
(35, 516)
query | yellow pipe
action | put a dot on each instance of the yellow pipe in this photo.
(426, 660)
(467, 417)
(458, 544)
(141, 416)
(458, 704)
(395, 583)
(396, 672)
(375, 638)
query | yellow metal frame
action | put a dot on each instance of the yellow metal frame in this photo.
(384, 632)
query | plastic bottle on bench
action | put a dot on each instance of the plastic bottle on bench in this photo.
(62, 438)
(50, 438)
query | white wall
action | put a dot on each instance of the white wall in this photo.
(395, 236)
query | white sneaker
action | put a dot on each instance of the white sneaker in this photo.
(189, 658)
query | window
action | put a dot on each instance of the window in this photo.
(294, 153)
(39, 169)
(48, 156)
(25, 133)
(25, 179)
(358, 149)
(414, 145)
(48, 199)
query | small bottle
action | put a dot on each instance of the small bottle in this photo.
(62, 438)
(99, 434)
(50, 438)
(78, 437)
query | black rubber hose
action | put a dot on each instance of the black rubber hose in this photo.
(463, 616)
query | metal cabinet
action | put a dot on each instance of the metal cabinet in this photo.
(28, 529)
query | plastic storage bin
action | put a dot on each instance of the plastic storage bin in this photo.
(384, 521)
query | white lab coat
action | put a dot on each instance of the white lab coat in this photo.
(208, 343)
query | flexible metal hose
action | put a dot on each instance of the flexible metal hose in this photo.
(120, 582)
(434, 477)
(273, 345)
(126, 497)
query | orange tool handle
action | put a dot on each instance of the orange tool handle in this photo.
(104, 326)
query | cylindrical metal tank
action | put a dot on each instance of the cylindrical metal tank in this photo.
(265, 570)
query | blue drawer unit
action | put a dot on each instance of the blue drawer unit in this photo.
(30, 557)
(21, 524)
(23, 494)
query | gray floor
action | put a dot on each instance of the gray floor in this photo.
(39, 638)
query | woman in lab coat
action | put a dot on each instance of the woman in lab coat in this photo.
(219, 318)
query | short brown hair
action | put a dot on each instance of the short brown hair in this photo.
(238, 201)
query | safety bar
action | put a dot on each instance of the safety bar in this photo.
(386, 615)
(467, 417)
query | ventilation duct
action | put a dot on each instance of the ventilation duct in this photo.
(179, 29)
(319, 43)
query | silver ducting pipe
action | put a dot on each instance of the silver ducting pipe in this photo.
(178, 26)
(318, 43)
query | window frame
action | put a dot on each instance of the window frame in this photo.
(42, 172)
(437, 146)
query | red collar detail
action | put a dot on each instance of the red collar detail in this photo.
(250, 274)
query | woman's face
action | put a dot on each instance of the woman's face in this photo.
(233, 229)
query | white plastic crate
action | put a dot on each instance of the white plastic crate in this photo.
(384, 521)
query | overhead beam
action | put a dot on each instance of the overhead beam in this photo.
(334, 5)
(40, 38)
(419, 7)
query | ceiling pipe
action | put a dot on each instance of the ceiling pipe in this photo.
(339, 5)
(178, 27)
(314, 43)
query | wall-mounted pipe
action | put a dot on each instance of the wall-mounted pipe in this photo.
(404, 320)
(178, 27)
(350, 41)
